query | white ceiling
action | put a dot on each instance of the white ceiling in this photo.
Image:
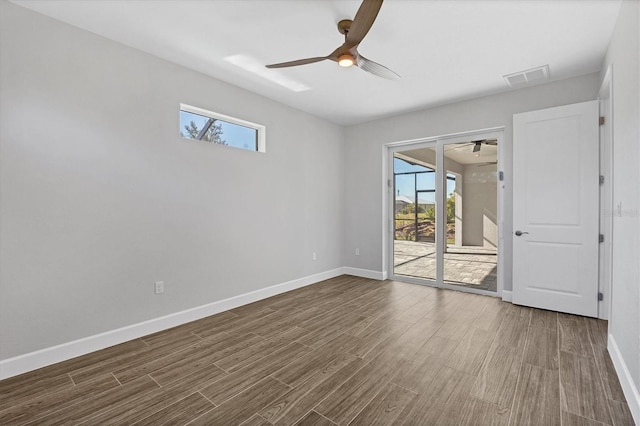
(445, 50)
(462, 153)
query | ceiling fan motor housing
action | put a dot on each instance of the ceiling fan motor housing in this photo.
(344, 25)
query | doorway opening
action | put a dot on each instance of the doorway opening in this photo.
(445, 213)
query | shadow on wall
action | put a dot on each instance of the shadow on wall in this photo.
(489, 229)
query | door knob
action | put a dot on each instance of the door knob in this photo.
(519, 233)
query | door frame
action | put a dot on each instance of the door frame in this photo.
(389, 206)
(606, 195)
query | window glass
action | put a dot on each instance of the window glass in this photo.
(218, 129)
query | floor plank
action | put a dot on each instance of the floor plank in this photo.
(256, 421)
(228, 386)
(490, 317)
(376, 334)
(293, 405)
(40, 406)
(327, 358)
(570, 419)
(542, 348)
(342, 405)
(418, 373)
(14, 394)
(612, 387)
(620, 413)
(204, 353)
(537, 399)
(513, 328)
(497, 380)
(315, 419)
(581, 390)
(385, 408)
(477, 412)
(181, 412)
(79, 413)
(244, 405)
(134, 358)
(469, 354)
(544, 319)
(598, 330)
(440, 404)
(574, 336)
(238, 359)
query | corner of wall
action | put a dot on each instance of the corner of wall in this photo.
(630, 390)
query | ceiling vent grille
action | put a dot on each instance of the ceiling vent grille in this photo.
(523, 78)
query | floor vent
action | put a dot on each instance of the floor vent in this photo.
(523, 78)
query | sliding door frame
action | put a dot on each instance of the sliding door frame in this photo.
(438, 142)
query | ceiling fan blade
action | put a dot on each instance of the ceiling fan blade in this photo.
(486, 141)
(298, 62)
(458, 146)
(363, 21)
(344, 48)
(375, 68)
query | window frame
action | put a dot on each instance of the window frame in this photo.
(259, 128)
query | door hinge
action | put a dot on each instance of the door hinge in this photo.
(501, 175)
(600, 296)
(601, 121)
(601, 238)
(601, 180)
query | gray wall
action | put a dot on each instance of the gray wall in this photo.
(100, 197)
(480, 206)
(623, 54)
(364, 155)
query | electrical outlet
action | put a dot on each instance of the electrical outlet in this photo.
(357, 252)
(159, 287)
(313, 256)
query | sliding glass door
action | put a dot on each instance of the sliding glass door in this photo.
(445, 213)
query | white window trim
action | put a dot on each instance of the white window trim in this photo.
(262, 130)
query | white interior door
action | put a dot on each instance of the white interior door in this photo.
(556, 208)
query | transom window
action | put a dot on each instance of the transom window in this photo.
(208, 126)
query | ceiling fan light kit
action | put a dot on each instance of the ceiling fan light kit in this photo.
(346, 60)
(354, 32)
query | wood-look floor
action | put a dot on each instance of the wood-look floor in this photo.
(347, 351)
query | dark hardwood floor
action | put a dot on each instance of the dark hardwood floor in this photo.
(347, 351)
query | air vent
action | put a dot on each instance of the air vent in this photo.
(523, 78)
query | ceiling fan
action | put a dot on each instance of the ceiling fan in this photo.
(354, 32)
(477, 145)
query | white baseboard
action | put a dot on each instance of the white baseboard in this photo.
(507, 295)
(365, 273)
(629, 388)
(44, 357)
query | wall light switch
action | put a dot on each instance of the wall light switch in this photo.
(159, 287)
